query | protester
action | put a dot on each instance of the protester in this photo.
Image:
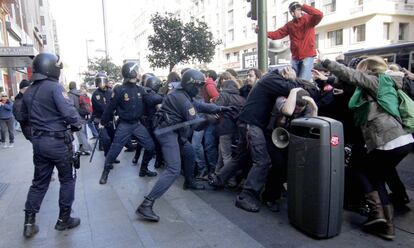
(6, 121)
(375, 103)
(301, 31)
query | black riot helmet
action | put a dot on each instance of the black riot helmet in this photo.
(293, 6)
(191, 81)
(101, 79)
(46, 65)
(130, 71)
(154, 83)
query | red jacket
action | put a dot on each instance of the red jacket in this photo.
(301, 33)
(209, 91)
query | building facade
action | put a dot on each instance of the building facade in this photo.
(23, 34)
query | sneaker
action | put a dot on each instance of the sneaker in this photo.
(4, 145)
(11, 145)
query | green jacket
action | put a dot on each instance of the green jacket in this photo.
(380, 126)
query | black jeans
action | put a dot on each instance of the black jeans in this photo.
(277, 174)
(251, 139)
(378, 167)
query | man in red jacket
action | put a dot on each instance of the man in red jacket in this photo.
(301, 31)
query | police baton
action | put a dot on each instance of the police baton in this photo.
(172, 128)
(96, 143)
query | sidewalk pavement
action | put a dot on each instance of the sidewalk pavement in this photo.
(188, 219)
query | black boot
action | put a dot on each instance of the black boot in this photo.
(30, 228)
(215, 181)
(135, 161)
(193, 185)
(148, 173)
(104, 176)
(116, 161)
(144, 171)
(145, 210)
(158, 163)
(65, 221)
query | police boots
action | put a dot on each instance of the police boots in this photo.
(65, 221)
(144, 171)
(30, 228)
(145, 210)
(104, 176)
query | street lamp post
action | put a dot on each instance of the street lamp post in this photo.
(262, 37)
(105, 33)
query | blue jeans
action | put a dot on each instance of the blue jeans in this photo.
(303, 68)
(92, 128)
(197, 142)
(211, 147)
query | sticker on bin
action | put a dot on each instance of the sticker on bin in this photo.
(334, 140)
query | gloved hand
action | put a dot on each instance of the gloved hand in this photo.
(75, 128)
(225, 109)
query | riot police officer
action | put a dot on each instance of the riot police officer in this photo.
(151, 84)
(100, 100)
(130, 101)
(178, 107)
(47, 107)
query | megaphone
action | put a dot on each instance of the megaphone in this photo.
(280, 137)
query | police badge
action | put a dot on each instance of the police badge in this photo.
(126, 97)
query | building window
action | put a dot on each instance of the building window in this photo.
(228, 56)
(387, 27)
(312, 3)
(236, 56)
(329, 6)
(403, 31)
(44, 39)
(359, 33)
(335, 38)
(317, 41)
(286, 17)
(231, 17)
(42, 20)
(274, 21)
(245, 51)
(231, 35)
(1, 33)
(40, 3)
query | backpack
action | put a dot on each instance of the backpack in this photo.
(85, 105)
(408, 87)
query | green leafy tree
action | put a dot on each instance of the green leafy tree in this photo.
(174, 42)
(99, 64)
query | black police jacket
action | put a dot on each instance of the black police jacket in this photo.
(178, 107)
(100, 100)
(49, 107)
(130, 101)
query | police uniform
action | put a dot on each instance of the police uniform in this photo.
(100, 100)
(147, 121)
(176, 108)
(129, 101)
(49, 112)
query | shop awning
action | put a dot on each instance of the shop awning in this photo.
(16, 56)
